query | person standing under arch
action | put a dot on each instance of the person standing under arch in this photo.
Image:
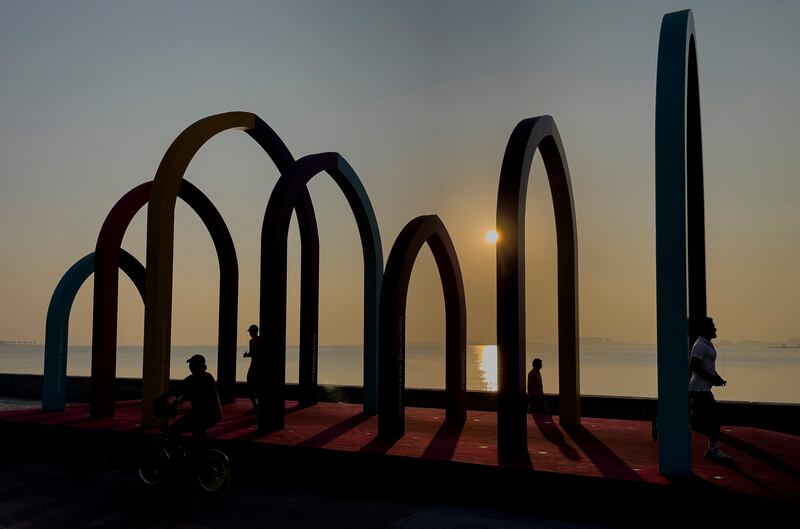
(253, 354)
(536, 402)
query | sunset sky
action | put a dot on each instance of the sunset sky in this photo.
(420, 98)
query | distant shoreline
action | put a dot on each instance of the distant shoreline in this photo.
(583, 341)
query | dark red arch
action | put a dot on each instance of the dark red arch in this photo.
(106, 292)
(394, 292)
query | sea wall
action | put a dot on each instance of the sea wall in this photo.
(771, 416)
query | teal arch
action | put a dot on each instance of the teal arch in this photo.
(680, 233)
(54, 390)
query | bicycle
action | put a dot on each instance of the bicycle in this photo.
(168, 457)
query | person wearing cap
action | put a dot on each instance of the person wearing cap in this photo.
(255, 347)
(200, 389)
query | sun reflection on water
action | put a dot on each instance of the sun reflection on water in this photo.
(487, 358)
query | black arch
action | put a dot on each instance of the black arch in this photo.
(289, 189)
(394, 292)
(134, 269)
(529, 135)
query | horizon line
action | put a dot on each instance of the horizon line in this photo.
(596, 339)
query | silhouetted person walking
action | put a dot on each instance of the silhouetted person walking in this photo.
(252, 380)
(536, 402)
(702, 365)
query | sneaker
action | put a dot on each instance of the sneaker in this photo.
(718, 455)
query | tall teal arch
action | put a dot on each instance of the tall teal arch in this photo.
(680, 232)
(54, 390)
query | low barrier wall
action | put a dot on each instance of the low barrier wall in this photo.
(770, 416)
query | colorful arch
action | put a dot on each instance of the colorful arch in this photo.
(160, 243)
(394, 292)
(290, 189)
(680, 231)
(529, 135)
(54, 381)
(106, 293)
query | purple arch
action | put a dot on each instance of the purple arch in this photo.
(288, 192)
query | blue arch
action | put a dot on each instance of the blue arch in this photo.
(54, 389)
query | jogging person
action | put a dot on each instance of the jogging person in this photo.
(702, 365)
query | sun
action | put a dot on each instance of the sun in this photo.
(492, 236)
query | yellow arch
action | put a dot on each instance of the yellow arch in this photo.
(160, 236)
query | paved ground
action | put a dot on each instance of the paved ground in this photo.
(767, 463)
(73, 486)
(100, 494)
(97, 495)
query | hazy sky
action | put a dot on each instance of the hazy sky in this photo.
(420, 97)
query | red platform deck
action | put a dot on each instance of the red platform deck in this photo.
(767, 463)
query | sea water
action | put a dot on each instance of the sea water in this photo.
(755, 372)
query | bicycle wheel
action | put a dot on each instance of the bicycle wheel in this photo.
(214, 471)
(153, 465)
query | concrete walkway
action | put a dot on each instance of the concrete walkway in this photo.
(96, 495)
